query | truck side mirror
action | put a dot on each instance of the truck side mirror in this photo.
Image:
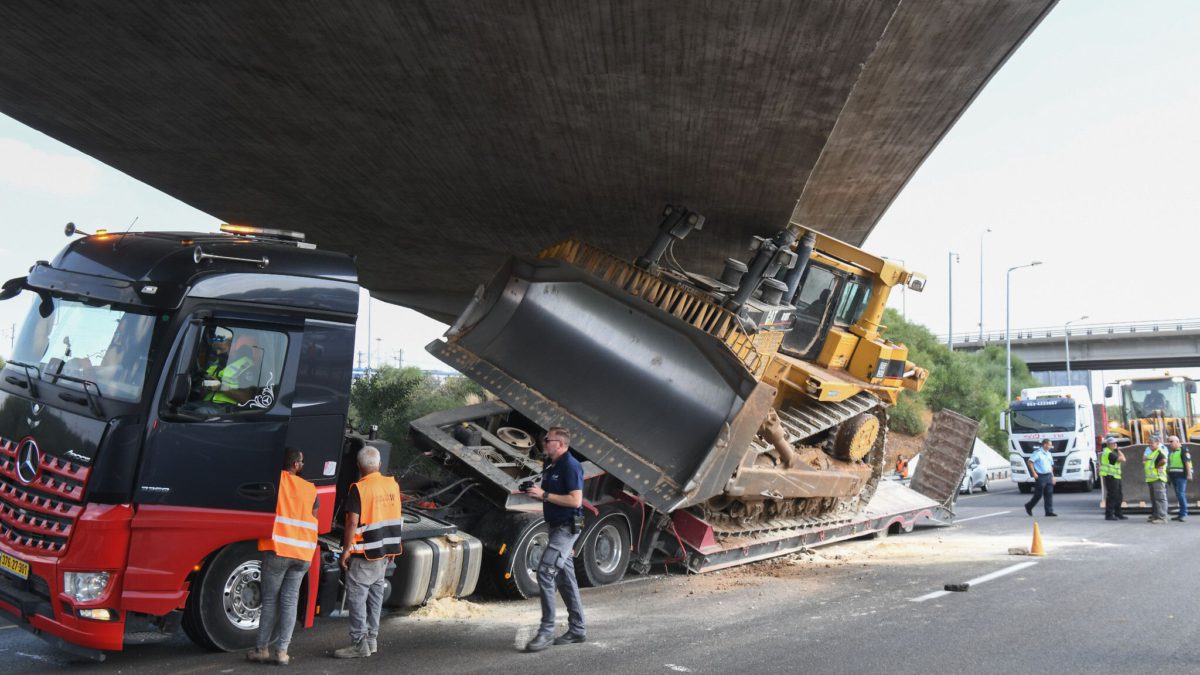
(1004, 420)
(1108, 391)
(181, 386)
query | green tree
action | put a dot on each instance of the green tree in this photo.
(393, 397)
(972, 384)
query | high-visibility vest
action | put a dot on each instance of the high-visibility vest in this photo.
(1175, 461)
(1153, 473)
(1109, 466)
(294, 534)
(379, 519)
(229, 380)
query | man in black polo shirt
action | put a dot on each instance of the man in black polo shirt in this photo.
(561, 493)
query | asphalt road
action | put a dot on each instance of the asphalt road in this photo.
(1108, 597)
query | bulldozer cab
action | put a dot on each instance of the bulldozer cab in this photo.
(1165, 405)
(827, 297)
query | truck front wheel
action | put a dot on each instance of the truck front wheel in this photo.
(1025, 488)
(519, 562)
(226, 598)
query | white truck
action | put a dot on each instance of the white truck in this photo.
(1062, 415)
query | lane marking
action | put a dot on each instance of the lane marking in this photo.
(979, 580)
(986, 515)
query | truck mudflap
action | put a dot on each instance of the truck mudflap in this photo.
(948, 445)
(565, 347)
(1134, 492)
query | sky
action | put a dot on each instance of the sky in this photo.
(1079, 153)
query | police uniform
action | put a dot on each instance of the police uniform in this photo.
(557, 568)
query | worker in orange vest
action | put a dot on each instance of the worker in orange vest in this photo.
(371, 540)
(287, 556)
(902, 466)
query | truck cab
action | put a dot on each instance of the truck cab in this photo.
(1064, 416)
(144, 413)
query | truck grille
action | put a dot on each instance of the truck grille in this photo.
(38, 517)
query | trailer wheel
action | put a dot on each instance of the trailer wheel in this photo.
(518, 574)
(604, 556)
(223, 608)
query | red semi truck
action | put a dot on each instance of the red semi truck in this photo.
(134, 480)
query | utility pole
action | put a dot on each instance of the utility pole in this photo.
(953, 258)
(985, 231)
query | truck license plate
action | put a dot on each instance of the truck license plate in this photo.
(14, 566)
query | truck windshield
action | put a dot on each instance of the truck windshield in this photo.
(1145, 397)
(102, 344)
(1043, 420)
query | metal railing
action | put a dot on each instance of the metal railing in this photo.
(1080, 330)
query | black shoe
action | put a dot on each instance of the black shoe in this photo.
(1179, 519)
(1051, 515)
(569, 638)
(539, 642)
(1121, 517)
(1111, 518)
(1029, 509)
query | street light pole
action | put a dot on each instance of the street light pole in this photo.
(950, 260)
(1067, 341)
(1007, 323)
(985, 231)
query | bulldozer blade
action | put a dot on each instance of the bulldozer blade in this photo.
(654, 400)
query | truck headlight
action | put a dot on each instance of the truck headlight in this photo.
(85, 586)
(1073, 462)
(1015, 463)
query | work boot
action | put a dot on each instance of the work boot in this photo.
(355, 651)
(281, 659)
(372, 644)
(1157, 521)
(570, 638)
(539, 642)
(257, 655)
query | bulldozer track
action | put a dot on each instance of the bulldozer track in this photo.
(805, 421)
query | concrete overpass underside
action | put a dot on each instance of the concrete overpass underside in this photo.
(434, 138)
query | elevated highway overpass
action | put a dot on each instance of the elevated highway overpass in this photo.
(433, 138)
(1144, 344)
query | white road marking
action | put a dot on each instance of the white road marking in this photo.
(986, 515)
(679, 669)
(978, 580)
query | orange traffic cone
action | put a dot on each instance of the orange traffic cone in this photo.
(1036, 547)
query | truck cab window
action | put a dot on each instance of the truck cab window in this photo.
(235, 369)
(98, 343)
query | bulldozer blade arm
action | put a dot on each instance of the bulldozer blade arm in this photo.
(649, 397)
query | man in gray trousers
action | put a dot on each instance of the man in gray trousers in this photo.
(561, 493)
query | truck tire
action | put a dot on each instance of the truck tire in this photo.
(1090, 483)
(604, 555)
(1025, 488)
(517, 573)
(222, 609)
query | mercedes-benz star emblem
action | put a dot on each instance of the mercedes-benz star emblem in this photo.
(36, 408)
(29, 461)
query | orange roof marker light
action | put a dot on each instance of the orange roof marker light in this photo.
(263, 232)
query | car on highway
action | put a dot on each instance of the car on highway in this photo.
(975, 478)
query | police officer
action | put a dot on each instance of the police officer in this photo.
(286, 558)
(371, 540)
(1110, 473)
(1041, 467)
(1179, 472)
(561, 493)
(1154, 464)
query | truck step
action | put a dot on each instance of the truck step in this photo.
(809, 419)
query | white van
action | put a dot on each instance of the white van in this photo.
(1064, 416)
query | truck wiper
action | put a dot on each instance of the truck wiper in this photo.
(93, 402)
(31, 382)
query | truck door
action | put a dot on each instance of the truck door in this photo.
(219, 435)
